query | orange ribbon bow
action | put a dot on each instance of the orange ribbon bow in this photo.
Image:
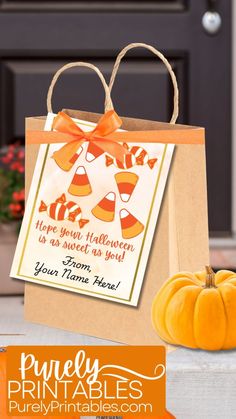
(107, 124)
(66, 130)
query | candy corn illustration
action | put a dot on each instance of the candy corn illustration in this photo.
(128, 162)
(126, 182)
(105, 209)
(80, 185)
(93, 152)
(62, 209)
(130, 226)
(75, 157)
(72, 156)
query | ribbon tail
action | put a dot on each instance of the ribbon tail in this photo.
(67, 155)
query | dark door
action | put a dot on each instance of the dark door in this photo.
(36, 37)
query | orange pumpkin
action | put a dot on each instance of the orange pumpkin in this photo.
(3, 393)
(197, 310)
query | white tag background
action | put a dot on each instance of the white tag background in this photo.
(144, 204)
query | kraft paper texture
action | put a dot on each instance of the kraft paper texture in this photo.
(180, 243)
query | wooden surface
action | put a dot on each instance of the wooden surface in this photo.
(200, 385)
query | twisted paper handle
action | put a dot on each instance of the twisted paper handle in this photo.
(163, 59)
(108, 101)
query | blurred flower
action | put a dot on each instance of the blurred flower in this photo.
(15, 208)
(8, 158)
(18, 166)
(12, 194)
(19, 195)
(21, 154)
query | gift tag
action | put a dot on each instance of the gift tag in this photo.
(89, 229)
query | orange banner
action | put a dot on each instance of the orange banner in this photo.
(70, 382)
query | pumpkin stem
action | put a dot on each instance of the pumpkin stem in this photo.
(210, 278)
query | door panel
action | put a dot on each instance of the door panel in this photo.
(33, 45)
(121, 5)
(136, 83)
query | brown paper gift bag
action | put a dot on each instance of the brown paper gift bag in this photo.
(180, 241)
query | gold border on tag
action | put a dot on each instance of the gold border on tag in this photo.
(81, 290)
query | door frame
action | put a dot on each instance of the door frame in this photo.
(230, 242)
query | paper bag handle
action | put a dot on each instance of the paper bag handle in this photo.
(163, 59)
(108, 101)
